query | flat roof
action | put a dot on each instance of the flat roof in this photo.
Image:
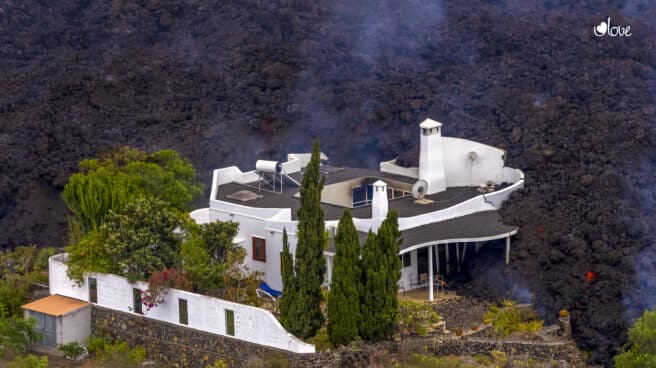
(406, 206)
(56, 305)
(479, 226)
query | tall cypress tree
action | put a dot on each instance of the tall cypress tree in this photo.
(344, 297)
(372, 291)
(389, 242)
(305, 307)
(381, 270)
(288, 282)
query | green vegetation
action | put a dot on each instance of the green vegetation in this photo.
(134, 243)
(112, 354)
(640, 349)
(344, 298)
(71, 350)
(119, 178)
(302, 313)
(507, 319)
(130, 219)
(414, 317)
(19, 268)
(16, 332)
(381, 269)
(28, 361)
(321, 340)
(285, 303)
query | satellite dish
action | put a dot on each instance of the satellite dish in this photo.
(419, 189)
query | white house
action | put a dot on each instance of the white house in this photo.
(446, 205)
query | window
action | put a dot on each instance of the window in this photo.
(93, 290)
(259, 249)
(136, 301)
(182, 312)
(406, 260)
(230, 322)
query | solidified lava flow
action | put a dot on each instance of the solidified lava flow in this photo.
(226, 82)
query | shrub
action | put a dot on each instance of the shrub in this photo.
(41, 261)
(218, 364)
(72, 350)
(159, 284)
(414, 317)
(95, 344)
(508, 319)
(321, 340)
(640, 349)
(16, 333)
(13, 294)
(115, 354)
(29, 361)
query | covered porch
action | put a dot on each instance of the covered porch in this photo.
(428, 265)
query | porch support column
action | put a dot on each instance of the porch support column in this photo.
(437, 258)
(448, 267)
(464, 252)
(329, 270)
(458, 256)
(508, 250)
(430, 272)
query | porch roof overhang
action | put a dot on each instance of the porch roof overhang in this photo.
(477, 227)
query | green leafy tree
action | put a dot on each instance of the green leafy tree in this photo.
(135, 243)
(117, 179)
(640, 349)
(381, 270)
(288, 283)
(218, 238)
(310, 265)
(198, 265)
(344, 298)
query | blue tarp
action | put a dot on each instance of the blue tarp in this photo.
(275, 293)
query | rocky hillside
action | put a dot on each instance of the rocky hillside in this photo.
(226, 82)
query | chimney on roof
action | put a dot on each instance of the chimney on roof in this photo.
(431, 156)
(379, 203)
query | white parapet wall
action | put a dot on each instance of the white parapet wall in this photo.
(254, 325)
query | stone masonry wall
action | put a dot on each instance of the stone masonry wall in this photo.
(176, 345)
(179, 346)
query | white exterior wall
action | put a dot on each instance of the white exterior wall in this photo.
(461, 171)
(268, 223)
(205, 313)
(74, 326)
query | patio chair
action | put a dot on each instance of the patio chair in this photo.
(423, 280)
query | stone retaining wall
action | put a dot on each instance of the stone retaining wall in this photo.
(176, 345)
(179, 346)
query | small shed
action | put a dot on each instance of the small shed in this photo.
(60, 319)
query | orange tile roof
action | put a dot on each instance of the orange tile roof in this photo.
(55, 305)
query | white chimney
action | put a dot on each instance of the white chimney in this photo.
(379, 204)
(431, 157)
